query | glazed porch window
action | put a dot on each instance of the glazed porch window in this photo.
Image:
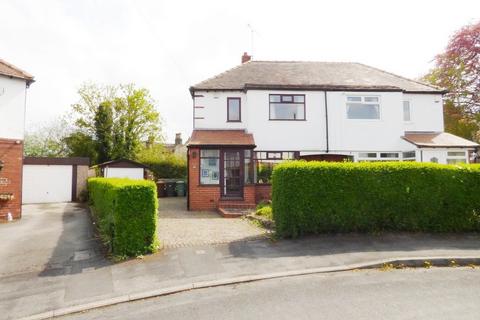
(209, 166)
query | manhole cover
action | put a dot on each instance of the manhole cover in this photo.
(82, 255)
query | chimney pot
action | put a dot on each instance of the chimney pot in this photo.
(178, 139)
(246, 57)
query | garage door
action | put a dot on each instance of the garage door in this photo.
(47, 183)
(132, 173)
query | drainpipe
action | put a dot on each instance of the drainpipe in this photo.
(187, 185)
(326, 123)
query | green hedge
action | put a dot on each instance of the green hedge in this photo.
(172, 167)
(319, 197)
(126, 214)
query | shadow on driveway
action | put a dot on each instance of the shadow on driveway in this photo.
(51, 240)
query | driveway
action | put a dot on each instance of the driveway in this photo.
(178, 227)
(50, 239)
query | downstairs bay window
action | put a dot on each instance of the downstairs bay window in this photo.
(455, 157)
(265, 161)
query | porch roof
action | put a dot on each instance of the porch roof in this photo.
(437, 140)
(221, 138)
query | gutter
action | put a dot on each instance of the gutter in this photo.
(326, 124)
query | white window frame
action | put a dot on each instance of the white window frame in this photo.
(362, 101)
(456, 157)
(375, 156)
(409, 111)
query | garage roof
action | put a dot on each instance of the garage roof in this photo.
(121, 163)
(81, 161)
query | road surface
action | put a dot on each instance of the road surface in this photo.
(438, 293)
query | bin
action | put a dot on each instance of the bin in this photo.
(170, 188)
(180, 188)
(161, 192)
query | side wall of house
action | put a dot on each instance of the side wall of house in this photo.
(12, 119)
(11, 154)
(12, 108)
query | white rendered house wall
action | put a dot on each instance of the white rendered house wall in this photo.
(12, 108)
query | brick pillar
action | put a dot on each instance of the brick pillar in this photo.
(11, 154)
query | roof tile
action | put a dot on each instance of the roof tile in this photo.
(311, 75)
(221, 137)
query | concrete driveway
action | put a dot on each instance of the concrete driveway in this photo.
(50, 239)
(178, 227)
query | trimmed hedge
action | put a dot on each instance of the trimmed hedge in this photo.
(172, 167)
(320, 197)
(126, 214)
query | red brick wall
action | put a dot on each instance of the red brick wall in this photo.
(263, 192)
(203, 197)
(200, 197)
(11, 154)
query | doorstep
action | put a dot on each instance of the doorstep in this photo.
(234, 212)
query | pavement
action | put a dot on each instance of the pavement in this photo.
(80, 281)
(438, 293)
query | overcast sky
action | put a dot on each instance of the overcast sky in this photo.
(166, 46)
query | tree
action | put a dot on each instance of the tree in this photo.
(121, 118)
(104, 132)
(458, 70)
(47, 139)
(80, 144)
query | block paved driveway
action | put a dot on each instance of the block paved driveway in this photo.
(178, 227)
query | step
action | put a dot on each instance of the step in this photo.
(234, 212)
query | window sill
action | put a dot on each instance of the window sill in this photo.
(237, 121)
(287, 119)
(223, 198)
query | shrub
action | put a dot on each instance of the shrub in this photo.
(169, 167)
(126, 214)
(265, 211)
(317, 197)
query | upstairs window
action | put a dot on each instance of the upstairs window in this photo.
(234, 110)
(363, 107)
(406, 111)
(287, 107)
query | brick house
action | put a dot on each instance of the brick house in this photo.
(255, 115)
(14, 83)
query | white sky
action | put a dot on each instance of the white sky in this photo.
(166, 46)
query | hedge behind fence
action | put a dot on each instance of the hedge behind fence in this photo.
(126, 213)
(316, 197)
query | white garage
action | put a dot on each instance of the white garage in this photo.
(122, 168)
(48, 180)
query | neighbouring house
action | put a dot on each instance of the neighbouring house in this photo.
(121, 168)
(178, 148)
(14, 83)
(247, 119)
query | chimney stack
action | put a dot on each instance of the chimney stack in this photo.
(178, 139)
(246, 58)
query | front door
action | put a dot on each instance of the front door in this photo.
(231, 173)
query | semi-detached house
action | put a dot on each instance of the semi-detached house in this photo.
(13, 91)
(263, 112)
